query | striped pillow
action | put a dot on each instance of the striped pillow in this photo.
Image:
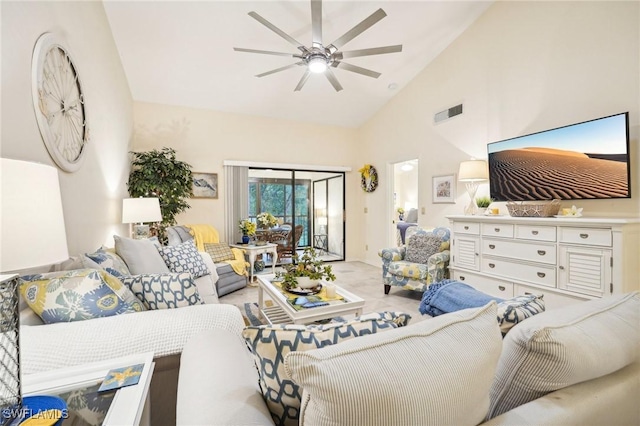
(562, 347)
(435, 372)
(271, 343)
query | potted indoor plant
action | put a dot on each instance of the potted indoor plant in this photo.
(306, 272)
(400, 211)
(247, 228)
(483, 203)
(157, 173)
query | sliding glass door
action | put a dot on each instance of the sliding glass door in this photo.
(312, 199)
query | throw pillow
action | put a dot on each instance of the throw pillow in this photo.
(219, 251)
(141, 256)
(517, 309)
(76, 295)
(184, 258)
(164, 291)
(271, 343)
(436, 372)
(109, 261)
(562, 347)
(421, 247)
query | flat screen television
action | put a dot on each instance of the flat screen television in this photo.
(588, 160)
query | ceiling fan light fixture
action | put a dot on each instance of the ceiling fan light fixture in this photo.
(317, 64)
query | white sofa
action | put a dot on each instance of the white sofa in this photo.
(163, 332)
(590, 351)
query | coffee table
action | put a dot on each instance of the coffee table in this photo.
(283, 313)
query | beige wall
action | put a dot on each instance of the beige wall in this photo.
(522, 67)
(205, 138)
(92, 196)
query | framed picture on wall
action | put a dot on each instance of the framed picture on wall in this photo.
(205, 185)
(444, 189)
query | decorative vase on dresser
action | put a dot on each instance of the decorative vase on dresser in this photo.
(566, 259)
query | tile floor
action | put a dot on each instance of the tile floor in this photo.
(359, 278)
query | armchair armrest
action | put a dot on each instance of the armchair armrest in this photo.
(392, 254)
(437, 266)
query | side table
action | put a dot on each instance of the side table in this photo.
(254, 250)
(78, 385)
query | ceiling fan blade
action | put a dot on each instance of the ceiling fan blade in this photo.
(333, 80)
(303, 80)
(316, 22)
(354, 68)
(286, 67)
(359, 29)
(277, 30)
(266, 52)
(369, 52)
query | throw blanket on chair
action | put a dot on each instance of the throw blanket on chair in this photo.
(450, 296)
(208, 234)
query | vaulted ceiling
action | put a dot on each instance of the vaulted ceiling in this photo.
(181, 53)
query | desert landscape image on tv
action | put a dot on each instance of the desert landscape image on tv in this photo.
(588, 160)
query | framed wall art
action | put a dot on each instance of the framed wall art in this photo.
(205, 185)
(444, 189)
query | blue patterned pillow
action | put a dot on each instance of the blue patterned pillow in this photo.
(76, 295)
(271, 343)
(515, 310)
(109, 261)
(184, 258)
(164, 291)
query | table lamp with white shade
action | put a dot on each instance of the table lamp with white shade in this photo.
(139, 211)
(471, 172)
(32, 234)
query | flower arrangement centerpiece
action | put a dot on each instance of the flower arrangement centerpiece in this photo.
(266, 220)
(400, 211)
(247, 227)
(306, 272)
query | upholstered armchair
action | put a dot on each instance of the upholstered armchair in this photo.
(422, 261)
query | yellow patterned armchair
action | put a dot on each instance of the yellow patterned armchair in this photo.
(422, 261)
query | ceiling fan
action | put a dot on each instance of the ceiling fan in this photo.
(320, 58)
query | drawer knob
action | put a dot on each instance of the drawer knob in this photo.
(584, 236)
(492, 246)
(496, 229)
(534, 232)
(542, 274)
(461, 278)
(542, 252)
(561, 267)
(501, 288)
(466, 228)
(526, 293)
(492, 265)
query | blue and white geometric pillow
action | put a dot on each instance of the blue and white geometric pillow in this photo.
(184, 258)
(76, 295)
(269, 345)
(109, 261)
(164, 291)
(515, 310)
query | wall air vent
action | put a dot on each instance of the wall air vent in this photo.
(447, 113)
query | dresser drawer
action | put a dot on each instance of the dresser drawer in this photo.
(586, 236)
(537, 274)
(501, 289)
(545, 253)
(536, 233)
(552, 300)
(497, 230)
(467, 228)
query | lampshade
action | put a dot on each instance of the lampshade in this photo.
(140, 210)
(473, 170)
(33, 232)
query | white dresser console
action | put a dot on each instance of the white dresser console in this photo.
(566, 259)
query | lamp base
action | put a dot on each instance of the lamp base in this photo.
(472, 208)
(140, 232)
